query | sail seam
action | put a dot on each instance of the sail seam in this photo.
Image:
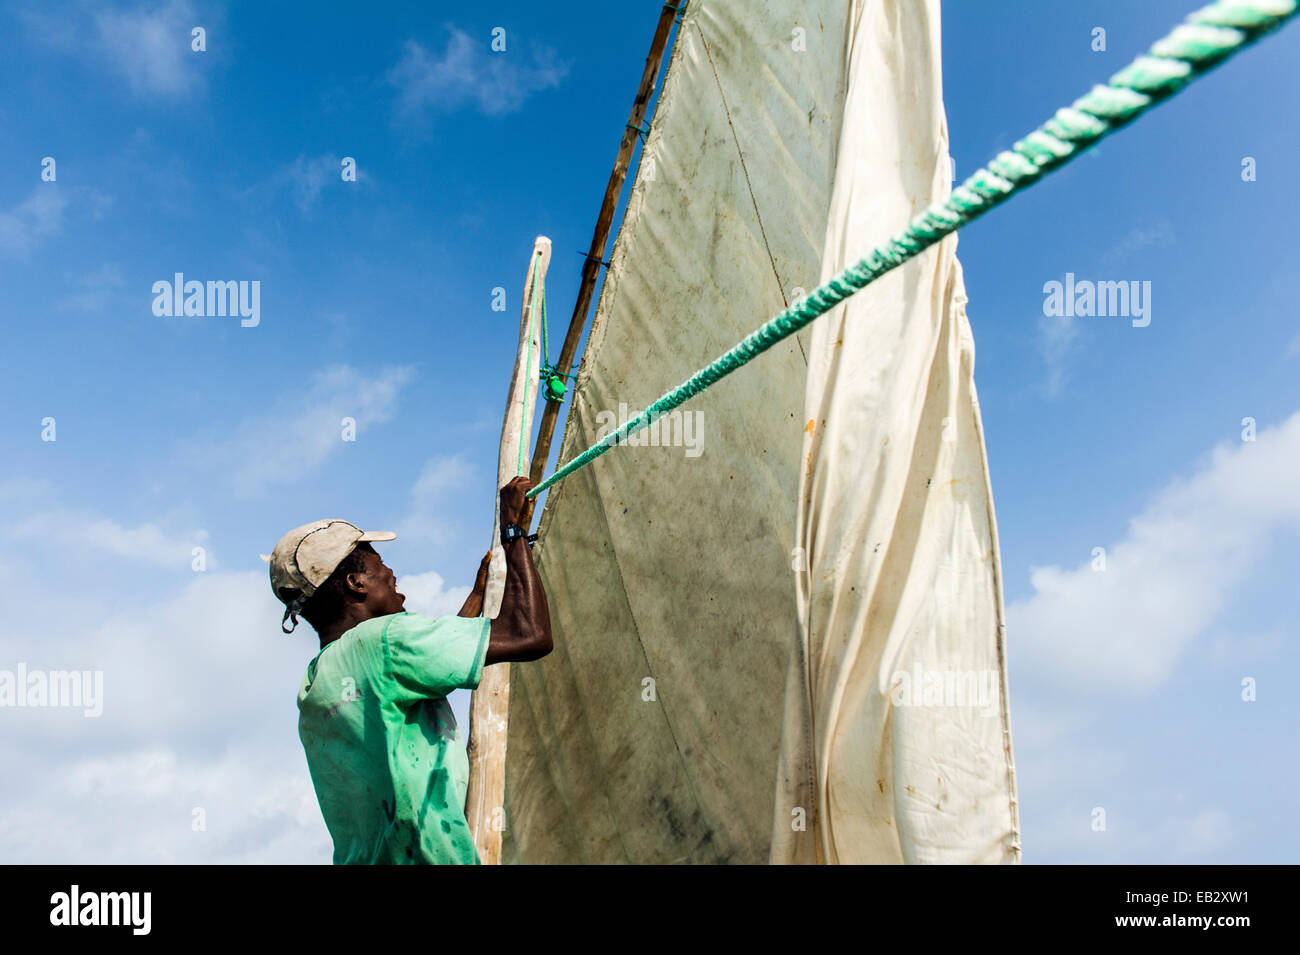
(745, 172)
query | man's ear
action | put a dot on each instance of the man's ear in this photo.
(357, 583)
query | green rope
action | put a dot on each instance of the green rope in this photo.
(550, 377)
(546, 337)
(1206, 38)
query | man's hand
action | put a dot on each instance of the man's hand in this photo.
(522, 630)
(513, 500)
(474, 602)
(480, 580)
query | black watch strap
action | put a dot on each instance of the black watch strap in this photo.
(512, 532)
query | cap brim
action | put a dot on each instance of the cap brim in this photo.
(368, 536)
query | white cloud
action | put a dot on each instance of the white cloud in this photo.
(151, 48)
(1128, 626)
(36, 218)
(78, 532)
(425, 594)
(78, 538)
(303, 428)
(1056, 337)
(442, 474)
(198, 712)
(151, 803)
(1139, 829)
(1207, 831)
(105, 276)
(307, 177)
(1136, 239)
(97, 289)
(436, 513)
(304, 180)
(468, 71)
(148, 46)
(26, 491)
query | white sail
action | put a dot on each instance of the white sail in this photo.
(897, 743)
(653, 732)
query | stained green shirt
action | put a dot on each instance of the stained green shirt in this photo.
(385, 755)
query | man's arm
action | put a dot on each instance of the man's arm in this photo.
(522, 630)
(474, 602)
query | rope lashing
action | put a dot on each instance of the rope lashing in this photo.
(1205, 39)
(552, 379)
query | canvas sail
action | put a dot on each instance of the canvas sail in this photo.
(897, 743)
(654, 731)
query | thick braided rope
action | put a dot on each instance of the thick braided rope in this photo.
(1204, 40)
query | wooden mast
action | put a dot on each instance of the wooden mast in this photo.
(490, 705)
(591, 267)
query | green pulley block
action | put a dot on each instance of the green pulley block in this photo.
(555, 388)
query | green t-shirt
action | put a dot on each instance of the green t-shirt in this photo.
(385, 755)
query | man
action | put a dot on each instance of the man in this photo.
(385, 755)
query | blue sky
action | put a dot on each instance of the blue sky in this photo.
(376, 304)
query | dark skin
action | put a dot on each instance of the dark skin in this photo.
(520, 632)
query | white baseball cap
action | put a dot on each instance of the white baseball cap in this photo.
(306, 556)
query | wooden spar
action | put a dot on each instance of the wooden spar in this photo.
(490, 705)
(591, 267)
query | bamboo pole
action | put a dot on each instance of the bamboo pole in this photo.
(591, 267)
(490, 705)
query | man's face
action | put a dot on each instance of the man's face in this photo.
(381, 588)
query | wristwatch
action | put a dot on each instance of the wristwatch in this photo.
(511, 532)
